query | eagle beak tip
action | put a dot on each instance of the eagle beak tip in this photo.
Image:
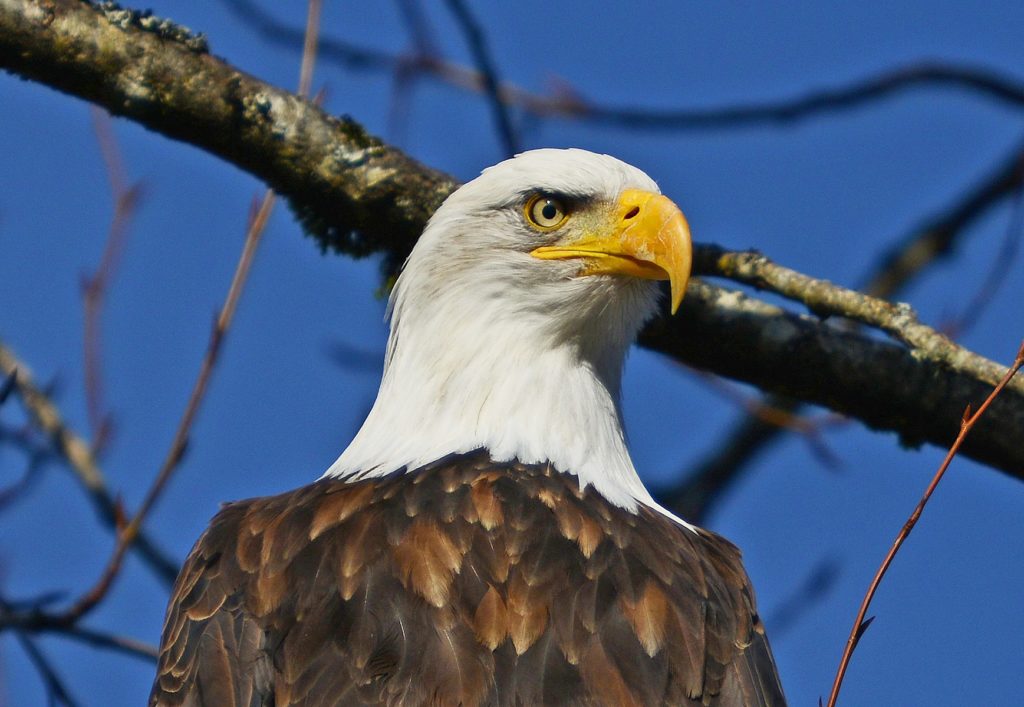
(677, 297)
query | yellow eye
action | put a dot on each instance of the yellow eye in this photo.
(545, 212)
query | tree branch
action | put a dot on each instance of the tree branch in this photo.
(884, 385)
(359, 196)
(488, 73)
(936, 238)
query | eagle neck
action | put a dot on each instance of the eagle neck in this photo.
(463, 378)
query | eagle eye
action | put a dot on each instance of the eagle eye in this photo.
(545, 212)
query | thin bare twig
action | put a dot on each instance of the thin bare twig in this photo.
(810, 430)
(257, 224)
(310, 42)
(112, 642)
(55, 688)
(488, 72)
(966, 425)
(975, 79)
(939, 235)
(94, 287)
(39, 622)
(77, 454)
(37, 457)
(707, 480)
(128, 535)
(764, 417)
(30, 617)
(419, 29)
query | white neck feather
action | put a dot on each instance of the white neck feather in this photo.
(499, 391)
(461, 376)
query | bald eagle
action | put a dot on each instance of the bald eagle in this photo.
(485, 538)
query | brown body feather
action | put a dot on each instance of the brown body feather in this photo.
(463, 583)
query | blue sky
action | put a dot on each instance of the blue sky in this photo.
(824, 196)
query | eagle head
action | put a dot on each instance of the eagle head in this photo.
(512, 317)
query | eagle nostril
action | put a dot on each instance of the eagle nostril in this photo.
(631, 213)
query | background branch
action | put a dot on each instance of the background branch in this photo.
(488, 73)
(570, 105)
(78, 455)
(354, 193)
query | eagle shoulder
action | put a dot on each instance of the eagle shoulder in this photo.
(466, 582)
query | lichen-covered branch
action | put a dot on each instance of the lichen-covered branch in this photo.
(351, 191)
(826, 299)
(884, 385)
(360, 196)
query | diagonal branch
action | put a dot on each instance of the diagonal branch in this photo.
(488, 73)
(886, 386)
(78, 455)
(360, 196)
(938, 236)
(56, 691)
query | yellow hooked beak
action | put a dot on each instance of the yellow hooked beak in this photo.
(648, 238)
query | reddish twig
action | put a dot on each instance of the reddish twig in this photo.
(94, 287)
(222, 323)
(309, 47)
(257, 223)
(966, 424)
